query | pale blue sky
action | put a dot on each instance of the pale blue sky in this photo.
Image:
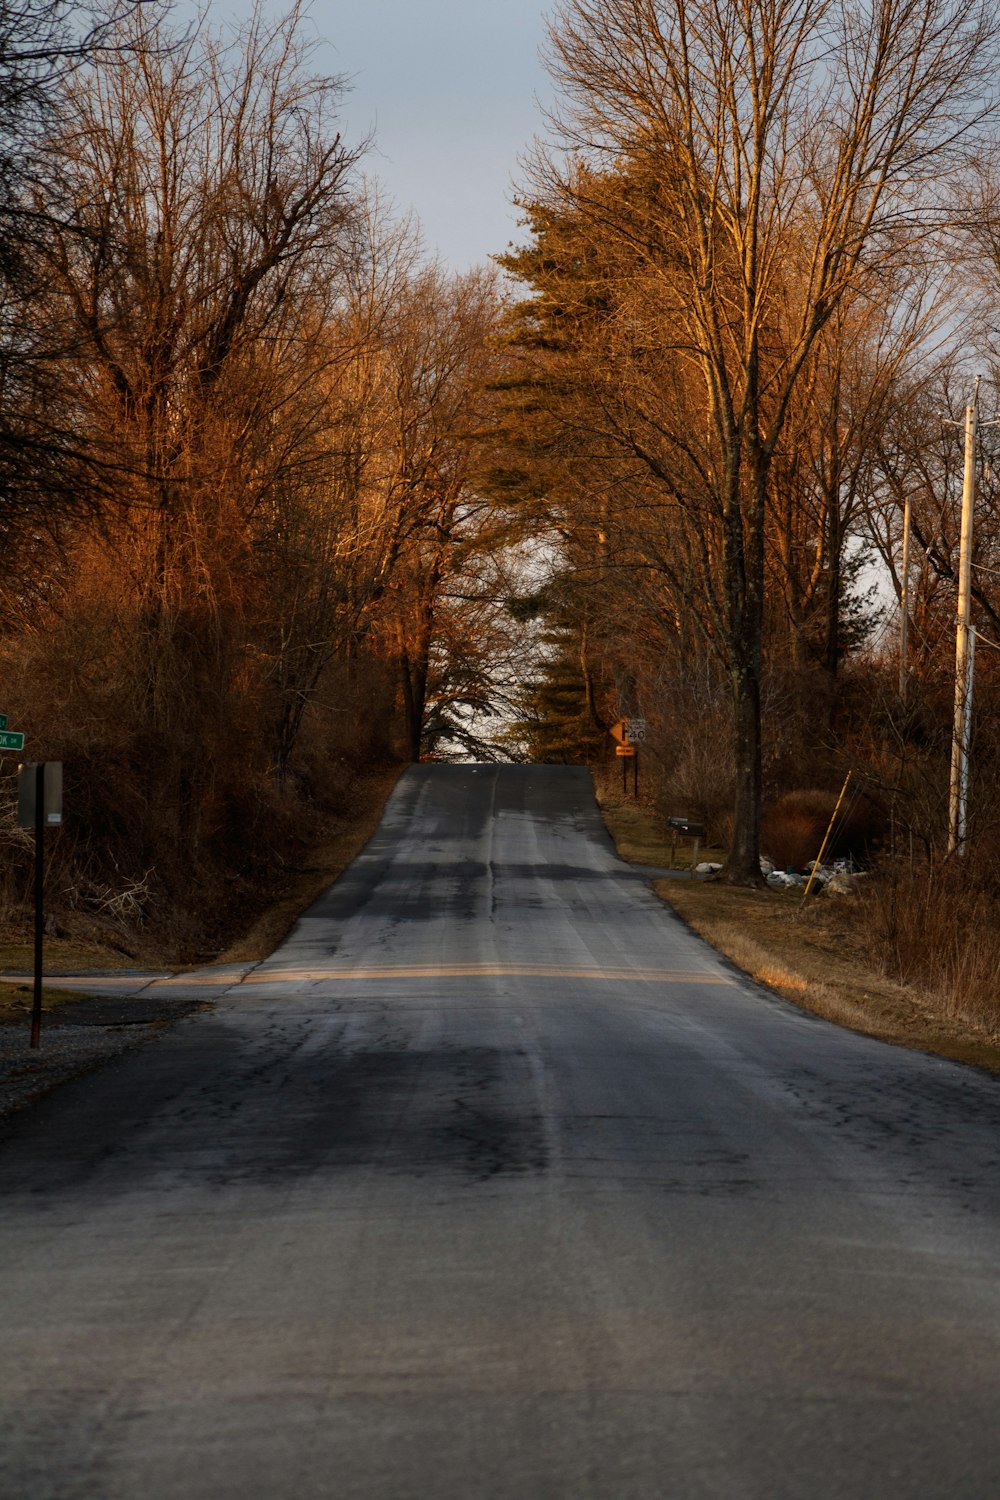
(449, 87)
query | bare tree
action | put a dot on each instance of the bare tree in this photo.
(321, 537)
(433, 522)
(205, 198)
(46, 468)
(797, 145)
(207, 218)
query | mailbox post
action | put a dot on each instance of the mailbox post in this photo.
(684, 828)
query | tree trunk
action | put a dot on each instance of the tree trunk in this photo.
(835, 547)
(411, 723)
(743, 537)
(743, 864)
(414, 667)
(588, 681)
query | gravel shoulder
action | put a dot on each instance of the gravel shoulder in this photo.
(81, 1035)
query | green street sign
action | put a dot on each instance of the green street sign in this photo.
(3, 721)
(11, 741)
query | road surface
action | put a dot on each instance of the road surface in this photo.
(494, 1183)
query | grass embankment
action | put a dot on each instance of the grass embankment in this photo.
(326, 861)
(814, 956)
(16, 1000)
(638, 835)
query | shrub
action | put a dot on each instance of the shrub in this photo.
(939, 929)
(792, 831)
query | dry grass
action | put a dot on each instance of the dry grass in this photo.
(940, 929)
(816, 958)
(60, 956)
(637, 832)
(16, 999)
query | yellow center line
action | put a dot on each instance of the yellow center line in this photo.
(473, 971)
(390, 972)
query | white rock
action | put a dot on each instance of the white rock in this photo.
(706, 870)
(766, 865)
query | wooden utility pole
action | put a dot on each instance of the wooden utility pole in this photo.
(964, 645)
(904, 603)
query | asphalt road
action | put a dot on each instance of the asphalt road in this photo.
(494, 1183)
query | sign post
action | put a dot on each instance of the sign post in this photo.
(636, 734)
(625, 754)
(628, 732)
(39, 802)
(36, 1006)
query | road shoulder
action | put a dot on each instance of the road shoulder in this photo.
(811, 956)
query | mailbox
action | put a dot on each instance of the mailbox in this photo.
(687, 828)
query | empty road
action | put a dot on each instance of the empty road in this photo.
(494, 1183)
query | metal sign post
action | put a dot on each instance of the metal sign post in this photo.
(36, 1007)
(628, 732)
(39, 803)
(625, 754)
(636, 734)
